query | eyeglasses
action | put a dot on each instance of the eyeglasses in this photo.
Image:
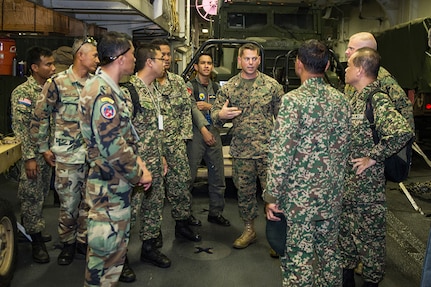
(107, 60)
(161, 59)
(88, 40)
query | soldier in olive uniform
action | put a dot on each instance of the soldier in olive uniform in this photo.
(176, 122)
(34, 182)
(387, 82)
(59, 99)
(115, 168)
(251, 99)
(307, 158)
(363, 222)
(147, 208)
(206, 143)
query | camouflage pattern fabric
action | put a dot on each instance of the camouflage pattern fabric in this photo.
(175, 106)
(31, 192)
(365, 193)
(259, 99)
(307, 158)
(399, 98)
(106, 128)
(420, 189)
(197, 150)
(147, 208)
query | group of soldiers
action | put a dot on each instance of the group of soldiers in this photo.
(119, 149)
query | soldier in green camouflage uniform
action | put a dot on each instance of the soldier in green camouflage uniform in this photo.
(34, 182)
(363, 224)
(176, 122)
(251, 99)
(307, 158)
(59, 98)
(106, 127)
(147, 208)
(387, 82)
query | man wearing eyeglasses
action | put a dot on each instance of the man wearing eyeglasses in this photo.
(59, 102)
(176, 122)
(251, 100)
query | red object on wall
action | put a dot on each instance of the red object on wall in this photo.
(7, 54)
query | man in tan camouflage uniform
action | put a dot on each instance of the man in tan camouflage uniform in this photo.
(176, 122)
(59, 98)
(307, 158)
(147, 208)
(251, 99)
(363, 218)
(105, 120)
(34, 182)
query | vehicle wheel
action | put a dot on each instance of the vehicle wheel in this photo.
(8, 242)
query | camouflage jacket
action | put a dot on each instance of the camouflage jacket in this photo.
(394, 132)
(175, 105)
(59, 98)
(389, 85)
(106, 128)
(23, 101)
(309, 151)
(146, 124)
(201, 118)
(252, 129)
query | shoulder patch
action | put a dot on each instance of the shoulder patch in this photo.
(25, 102)
(107, 100)
(202, 96)
(108, 111)
(189, 90)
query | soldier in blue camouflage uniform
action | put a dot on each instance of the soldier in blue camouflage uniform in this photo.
(59, 98)
(115, 168)
(363, 223)
(307, 158)
(34, 182)
(176, 122)
(251, 99)
(206, 143)
(387, 82)
(147, 208)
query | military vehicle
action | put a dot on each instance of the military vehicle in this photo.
(406, 53)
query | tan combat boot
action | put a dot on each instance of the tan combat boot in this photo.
(247, 237)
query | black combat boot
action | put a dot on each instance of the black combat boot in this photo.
(40, 255)
(81, 250)
(150, 253)
(348, 278)
(159, 240)
(182, 229)
(370, 284)
(127, 274)
(67, 254)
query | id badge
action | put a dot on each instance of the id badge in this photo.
(160, 117)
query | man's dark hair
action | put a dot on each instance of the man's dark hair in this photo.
(112, 45)
(368, 59)
(33, 56)
(160, 42)
(143, 53)
(203, 54)
(314, 55)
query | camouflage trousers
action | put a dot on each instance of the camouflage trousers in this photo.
(362, 238)
(70, 185)
(312, 257)
(177, 180)
(147, 206)
(197, 150)
(32, 194)
(245, 173)
(108, 229)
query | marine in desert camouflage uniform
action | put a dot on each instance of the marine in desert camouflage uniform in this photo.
(307, 158)
(34, 182)
(59, 99)
(251, 99)
(364, 198)
(115, 168)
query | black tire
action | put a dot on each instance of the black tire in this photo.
(8, 242)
